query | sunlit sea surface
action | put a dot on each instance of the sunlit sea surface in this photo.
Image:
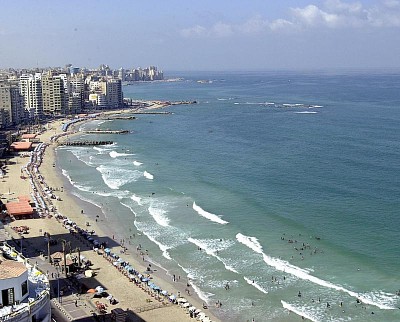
(287, 182)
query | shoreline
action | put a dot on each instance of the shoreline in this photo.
(107, 230)
(71, 207)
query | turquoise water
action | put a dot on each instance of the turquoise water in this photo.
(287, 182)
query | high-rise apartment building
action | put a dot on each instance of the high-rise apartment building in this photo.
(30, 87)
(5, 104)
(53, 94)
(113, 92)
(11, 104)
(76, 95)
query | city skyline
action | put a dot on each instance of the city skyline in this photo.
(206, 35)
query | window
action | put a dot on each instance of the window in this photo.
(24, 288)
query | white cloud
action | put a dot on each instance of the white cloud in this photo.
(333, 14)
(311, 15)
(280, 24)
(254, 25)
(221, 30)
(196, 31)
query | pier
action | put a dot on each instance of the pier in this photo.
(164, 112)
(106, 132)
(111, 118)
(85, 143)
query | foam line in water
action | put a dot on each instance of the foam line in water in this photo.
(102, 150)
(148, 175)
(299, 312)
(208, 215)
(116, 177)
(137, 163)
(306, 112)
(137, 199)
(304, 274)
(159, 216)
(205, 296)
(161, 246)
(258, 287)
(212, 247)
(115, 154)
(66, 174)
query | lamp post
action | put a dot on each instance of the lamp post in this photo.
(58, 284)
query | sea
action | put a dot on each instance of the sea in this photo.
(277, 194)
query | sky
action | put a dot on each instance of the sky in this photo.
(212, 35)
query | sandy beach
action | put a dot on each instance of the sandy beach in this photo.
(87, 216)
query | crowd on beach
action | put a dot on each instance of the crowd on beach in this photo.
(43, 195)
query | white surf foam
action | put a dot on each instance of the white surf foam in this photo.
(99, 150)
(306, 112)
(116, 177)
(137, 199)
(148, 175)
(299, 312)
(212, 247)
(137, 163)
(208, 215)
(304, 274)
(164, 249)
(251, 242)
(159, 216)
(205, 296)
(66, 174)
(257, 286)
(115, 154)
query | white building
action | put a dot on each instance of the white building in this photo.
(25, 291)
(31, 89)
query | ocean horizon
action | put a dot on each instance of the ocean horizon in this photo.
(276, 194)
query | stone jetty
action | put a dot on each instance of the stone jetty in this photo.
(106, 132)
(85, 143)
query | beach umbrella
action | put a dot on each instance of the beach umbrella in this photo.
(185, 305)
(164, 292)
(89, 273)
(201, 315)
(182, 300)
(107, 250)
(206, 319)
(192, 308)
(172, 297)
(197, 311)
(99, 289)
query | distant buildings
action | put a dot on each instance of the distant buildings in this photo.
(29, 95)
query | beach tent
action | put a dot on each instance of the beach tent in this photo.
(57, 256)
(21, 146)
(18, 209)
(28, 136)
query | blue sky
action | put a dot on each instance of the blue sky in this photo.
(201, 34)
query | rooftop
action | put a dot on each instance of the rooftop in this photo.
(11, 269)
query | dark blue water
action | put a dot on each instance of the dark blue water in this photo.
(287, 181)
